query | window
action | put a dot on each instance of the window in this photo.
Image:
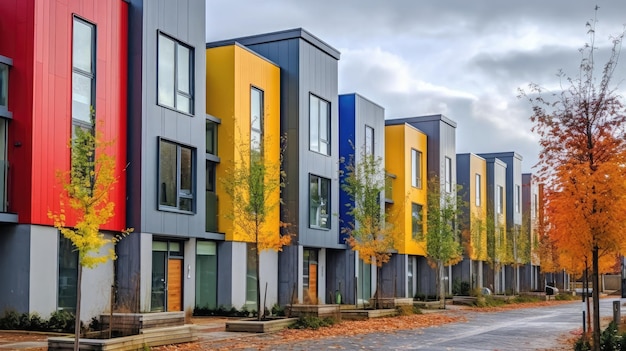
(206, 274)
(319, 125)
(175, 74)
(369, 141)
(175, 176)
(83, 72)
(319, 202)
(5, 63)
(68, 274)
(477, 195)
(256, 120)
(518, 198)
(416, 168)
(251, 278)
(448, 175)
(535, 210)
(211, 137)
(499, 199)
(417, 229)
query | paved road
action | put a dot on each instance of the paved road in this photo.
(522, 329)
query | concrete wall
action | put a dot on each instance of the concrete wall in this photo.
(44, 271)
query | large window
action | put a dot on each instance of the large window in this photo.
(448, 175)
(206, 274)
(68, 273)
(83, 72)
(369, 141)
(417, 229)
(499, 199)
(175, 74)
(416, 168)
(176, 181)
(256, 120)
(251, 278)
(477, 189)
(5, 63)
(319, 202)
(319, 125)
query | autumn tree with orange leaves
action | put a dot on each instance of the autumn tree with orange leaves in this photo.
(583, 164)
(369, 232)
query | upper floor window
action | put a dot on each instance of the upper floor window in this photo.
(499, 199)
(256, 120)
(477, 190)
(5, 63)
(175, 74)
(417, 229)
(176, 180)
(83, 72)
(448, 174)
(369, 141)
(319, 125)
(518, 199)
(319, 202)
(535, 209)
(416, 168)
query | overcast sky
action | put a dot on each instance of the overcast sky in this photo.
(463, 59)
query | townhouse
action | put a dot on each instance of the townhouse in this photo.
(58, 61)
(472, 179)
(406, 151)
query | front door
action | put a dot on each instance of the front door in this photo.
(174, 284)
(310, 276)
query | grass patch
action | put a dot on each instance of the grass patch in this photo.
(408, 310)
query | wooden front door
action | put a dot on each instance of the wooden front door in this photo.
(174, 285)
(313, 283)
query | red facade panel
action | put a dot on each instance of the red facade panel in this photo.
(44, 129)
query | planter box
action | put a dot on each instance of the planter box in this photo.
(322, 311)
(391, 302)
(148, 337)
(255, 326)
(428, 305)
(353, 315)
(135, 323)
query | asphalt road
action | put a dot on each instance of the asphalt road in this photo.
(521, 329)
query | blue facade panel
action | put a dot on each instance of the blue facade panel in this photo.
(347, 119)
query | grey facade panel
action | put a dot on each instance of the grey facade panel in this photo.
(513, 162)
(14, 268)
(224, 276)
(340, 275)
(288, 275)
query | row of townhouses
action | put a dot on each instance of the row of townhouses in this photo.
(176, 108)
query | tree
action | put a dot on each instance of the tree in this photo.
(443, 244)
(496, 243)
(86, 188)
(369, 232)
(583, 162)
(254, 182)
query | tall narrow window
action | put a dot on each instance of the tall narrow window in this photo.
(448, 175)
(416, 168)
(5, 63)
(369, 141)
(176, 180)
(319, 202)
(83, 72)
(319, 125)
(518, 199)
(417, 229)
(211, 137)
(175, 74)
(256, 120)
(477, 190)
(535, 210)
(499, 199)
(68, 273)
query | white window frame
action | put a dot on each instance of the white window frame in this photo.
(319, 216)
(448, 174)
(477, 190)
(81, 73)
(416, 168)
(369, 141)
(318, 142)
(256, 129)
(518, 198)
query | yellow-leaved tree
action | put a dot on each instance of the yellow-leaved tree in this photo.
(254, 183)
(86, 189)
(369, 231)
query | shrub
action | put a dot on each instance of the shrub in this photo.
(10, 320)
(460, 287)
(565, 297)
(61, 321)
(313, 322)
(582, 344)
(37, 323)
(278, 310)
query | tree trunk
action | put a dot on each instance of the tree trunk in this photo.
(596, 299)
(442, 288)
(79, 280)
(378, 285)
(260, 313)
